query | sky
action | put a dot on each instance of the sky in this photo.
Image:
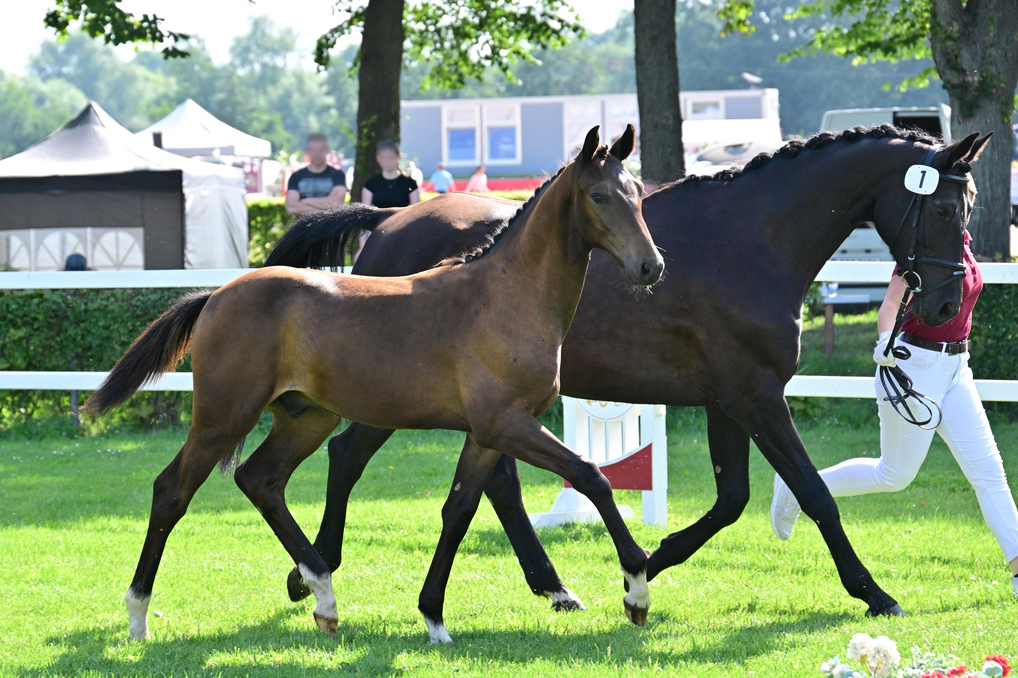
(218, 22)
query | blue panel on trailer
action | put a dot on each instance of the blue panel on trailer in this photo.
(542, 137)
(421, 132)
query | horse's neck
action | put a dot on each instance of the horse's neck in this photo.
(826, 194)
(545, 255)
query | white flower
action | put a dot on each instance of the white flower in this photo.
(883, 657)
(992, 668)
(828, 666)
(859, 647)
(842, 670)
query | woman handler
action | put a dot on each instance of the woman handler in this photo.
(939, 368)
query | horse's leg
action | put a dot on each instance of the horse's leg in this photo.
(472, 472)
(263, 479)
(172, 492)
(729, 452)
(522, 436)
(769, 422)
(506, 496)
(349, 454)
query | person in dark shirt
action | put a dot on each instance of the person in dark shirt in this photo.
(318, 186)
(390, 188)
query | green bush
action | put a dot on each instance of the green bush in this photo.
(86, 330)
(267, 221)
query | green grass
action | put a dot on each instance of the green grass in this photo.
(73, 515)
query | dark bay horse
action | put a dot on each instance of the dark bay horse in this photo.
(472, 347)
(720, 331)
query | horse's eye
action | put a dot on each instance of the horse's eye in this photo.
(942, 212)
(598, 198)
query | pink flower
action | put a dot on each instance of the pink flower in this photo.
(1002, 660)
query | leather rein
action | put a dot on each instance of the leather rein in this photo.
(897, 385)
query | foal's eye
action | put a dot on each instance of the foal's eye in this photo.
(598, 198)
(942, 212)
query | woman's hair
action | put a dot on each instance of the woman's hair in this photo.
(75, 262)
(479, 168)
(387, 144)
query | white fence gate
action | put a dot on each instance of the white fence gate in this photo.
(628, 442)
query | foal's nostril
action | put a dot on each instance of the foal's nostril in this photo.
(645, 269)
(948, 310)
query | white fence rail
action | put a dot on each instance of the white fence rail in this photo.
(800, 385)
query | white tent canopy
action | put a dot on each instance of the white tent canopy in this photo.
(191, 130)
(95, 151)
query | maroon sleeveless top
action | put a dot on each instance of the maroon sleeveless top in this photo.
(958, 328)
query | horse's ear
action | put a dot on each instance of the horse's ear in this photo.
(958, 150)
(590, 145)
(625, 144)
(978, 147)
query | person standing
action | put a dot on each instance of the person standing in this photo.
(389, 188)
(319, 186)
(939, 368)
(442, 180)
(478, 181)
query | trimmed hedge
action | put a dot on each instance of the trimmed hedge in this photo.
(87, 330)
(267, 221)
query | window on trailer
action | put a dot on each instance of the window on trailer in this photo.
(460, 134)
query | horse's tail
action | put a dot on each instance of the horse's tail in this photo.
(159, 348)
(322, 239)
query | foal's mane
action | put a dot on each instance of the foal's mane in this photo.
(492, 238)
(821, 140)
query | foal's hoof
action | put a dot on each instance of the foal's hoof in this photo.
(295, 586)
(566, 601)
(328, 625)
(637, 615)
(893, 611)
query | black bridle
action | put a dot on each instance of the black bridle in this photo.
(898, 385)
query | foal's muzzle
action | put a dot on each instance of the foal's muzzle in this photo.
(649, 271)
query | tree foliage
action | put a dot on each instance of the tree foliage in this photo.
(107, 20)
(460, 40)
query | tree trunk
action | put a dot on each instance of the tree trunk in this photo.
(381, 63)
(657, 91)
(974, 48)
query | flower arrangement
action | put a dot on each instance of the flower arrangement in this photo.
(879, 657)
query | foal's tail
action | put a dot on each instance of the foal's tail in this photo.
(159, 348)
(322, 239)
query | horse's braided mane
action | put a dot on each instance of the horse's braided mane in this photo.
(792, 149)
(490, 239)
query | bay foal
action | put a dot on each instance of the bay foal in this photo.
(472, 347)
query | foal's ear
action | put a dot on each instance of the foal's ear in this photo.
(978, 147)
(958, 150)
(590, 145)
(625, 144)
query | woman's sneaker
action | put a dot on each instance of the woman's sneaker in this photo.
(785, 511)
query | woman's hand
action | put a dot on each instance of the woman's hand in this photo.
(878, 352)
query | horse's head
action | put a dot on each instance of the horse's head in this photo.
(609, 201)
(925, 230)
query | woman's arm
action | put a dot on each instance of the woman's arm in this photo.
(366, 196)
(415, 196)
(889, 307)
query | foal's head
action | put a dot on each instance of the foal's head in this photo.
(610, 201)
(939, 235)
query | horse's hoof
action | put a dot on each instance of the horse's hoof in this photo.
(637, 615)
(328, 625)
(893, 611)
(295, 586)
(566, 601)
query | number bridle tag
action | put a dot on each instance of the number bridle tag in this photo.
(922, 179)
